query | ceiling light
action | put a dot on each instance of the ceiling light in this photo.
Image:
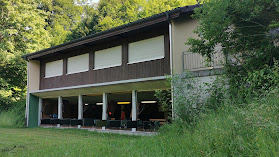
(123, 103)
(148, 102)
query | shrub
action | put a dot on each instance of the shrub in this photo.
(189, 97)
(15, 116)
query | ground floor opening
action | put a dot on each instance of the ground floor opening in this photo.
(138, 110)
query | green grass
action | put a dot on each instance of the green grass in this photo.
(233, 130)
(14, 117)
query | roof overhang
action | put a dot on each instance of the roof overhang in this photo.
(142, 84)
(114, 33)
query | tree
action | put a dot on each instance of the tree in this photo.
(22, 31)
(113, 13)
(64, 16)
(243, 29)
(88, 23)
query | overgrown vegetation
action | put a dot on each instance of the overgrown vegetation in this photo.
(14, 116)
(247, 35)
(249, 129)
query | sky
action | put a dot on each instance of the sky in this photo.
(94, 1)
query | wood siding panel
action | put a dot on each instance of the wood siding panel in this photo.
(126, 71)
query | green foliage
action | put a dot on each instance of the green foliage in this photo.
(189, 97)
(15, 116)
(245, 33)
(262, 81)
(64, 16)
(88, 23)
(217, 93)
(22, 31)
(27, 26)
(112, 13)
(164, 98)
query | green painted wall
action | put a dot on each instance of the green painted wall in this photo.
(33, 111)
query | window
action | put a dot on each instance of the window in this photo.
(106, 58)
(78, 64)
(146, 50)
(54, 68)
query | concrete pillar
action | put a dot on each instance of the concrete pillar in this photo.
(80, 108)
(40, 111)
(105, 106)
(134, 107)
(59, 109)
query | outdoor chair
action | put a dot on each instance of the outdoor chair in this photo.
(132, 124)
(101, 123)
(114, 123)
(140, 124)
(45, 121)
(76, 122)
(54, 121)
(88, 122)
(123, 124)
(65, 121)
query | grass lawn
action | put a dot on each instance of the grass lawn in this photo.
(73, 142)
(249, 130)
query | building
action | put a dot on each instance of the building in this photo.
(111, 74)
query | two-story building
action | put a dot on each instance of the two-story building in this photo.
(111, 75)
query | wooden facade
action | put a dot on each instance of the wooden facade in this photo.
(159, 67)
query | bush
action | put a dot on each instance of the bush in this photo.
(189, 97)
(15, 116)
(249, 129)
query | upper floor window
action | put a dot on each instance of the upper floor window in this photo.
(54, 68)
(106, 58)
(146, 50)
(78, 64)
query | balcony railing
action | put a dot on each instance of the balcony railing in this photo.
(195, 61)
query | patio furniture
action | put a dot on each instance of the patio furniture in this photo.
(162, 121)
(140, 123)
(76, 122)
(88, 122)
(45, 121)
(147, 125)
(123, 124)
(54, 121)
(65, 121)
(132, 124)
(114, 123)
(101, 123)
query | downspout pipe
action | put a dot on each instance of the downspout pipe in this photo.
(171, 61)
(27, 96)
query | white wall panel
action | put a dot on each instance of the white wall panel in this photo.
(78, 64)
(106, 58)
(54, 68)
(146, 50)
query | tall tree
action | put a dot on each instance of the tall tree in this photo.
(22, 31)
(64, 16)
(112, 13)
(88, 23)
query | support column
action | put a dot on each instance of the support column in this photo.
(105, 106)
(134, 107)
(40, 111)
(59, 109)
(80, 108)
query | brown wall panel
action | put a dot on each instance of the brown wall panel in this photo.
(126, 71)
